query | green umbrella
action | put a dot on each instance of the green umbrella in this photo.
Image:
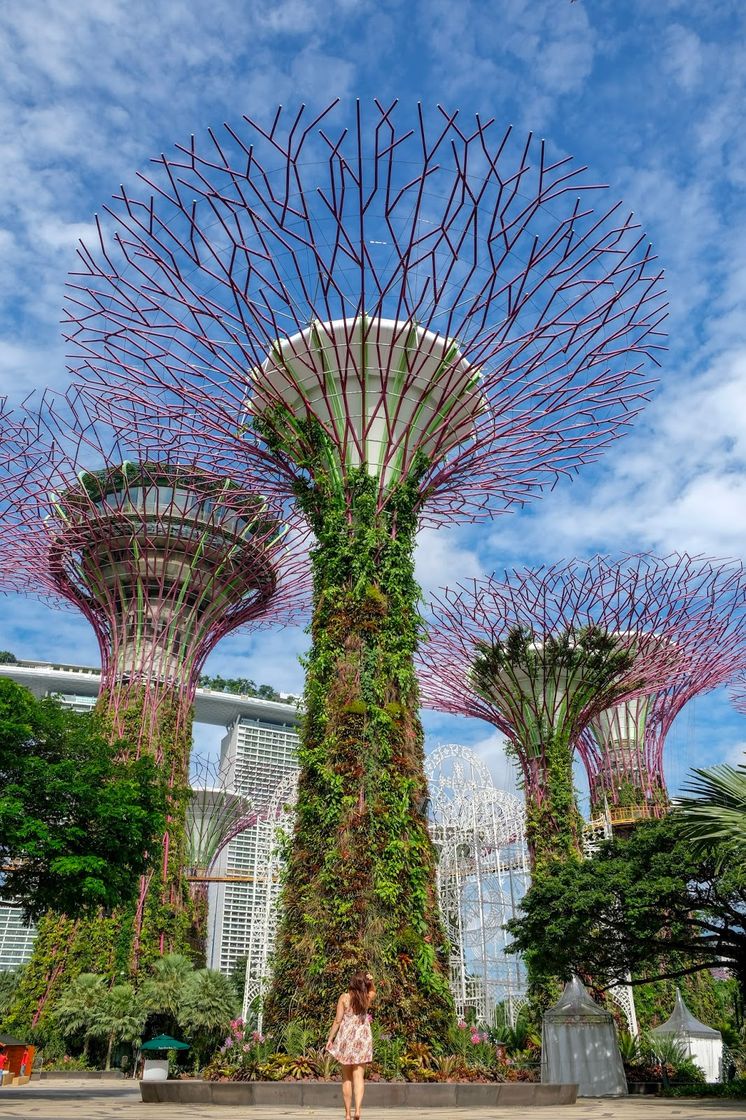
(164, 1042)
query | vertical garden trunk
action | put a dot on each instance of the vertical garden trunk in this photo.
(360, 883)
(554, 826)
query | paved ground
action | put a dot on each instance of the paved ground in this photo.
(84, 1101)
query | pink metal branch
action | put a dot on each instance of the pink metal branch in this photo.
(671, 613)
(625, 747)
(439, 289)
(164, 556)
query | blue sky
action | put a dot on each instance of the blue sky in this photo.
(650, 95)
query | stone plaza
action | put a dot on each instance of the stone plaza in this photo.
(81, 1100)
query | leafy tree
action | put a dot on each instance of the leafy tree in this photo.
(162, 992)
(208, 1004)
(79, 1008)
(715, 817)
(242, 686)
(7, 658)
(652, 905)
(120, 1017)
(76, 820)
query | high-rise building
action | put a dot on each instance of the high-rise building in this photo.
(256, 755)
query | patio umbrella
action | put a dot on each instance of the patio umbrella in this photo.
(164, 1042)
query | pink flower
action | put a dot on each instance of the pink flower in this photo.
(257, 1036)
(247, 1047)
(475, 1038)
(461, 1025)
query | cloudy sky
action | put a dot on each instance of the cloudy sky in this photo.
(650, 95)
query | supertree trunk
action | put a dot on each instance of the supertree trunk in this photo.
(164, 918)
(359, 892)
(554, 826)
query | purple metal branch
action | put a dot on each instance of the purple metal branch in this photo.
(164, 556)
(671, 613)
(438, 290)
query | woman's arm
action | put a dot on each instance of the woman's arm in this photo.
(341, 1006)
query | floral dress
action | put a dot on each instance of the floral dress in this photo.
(352, 1045)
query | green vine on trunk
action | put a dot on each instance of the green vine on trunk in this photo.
(359, 889)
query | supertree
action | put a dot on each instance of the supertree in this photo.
(400, 325)
(214, 814)
(622, 748)
(163, 556)
(544, 651)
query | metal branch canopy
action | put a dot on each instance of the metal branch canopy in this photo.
(439, 290)
(163, 555)
(545, 654)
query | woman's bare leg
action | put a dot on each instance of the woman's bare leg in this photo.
(358, 1081)
(347, 1089)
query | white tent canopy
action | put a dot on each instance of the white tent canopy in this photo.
(703, 1044)
(579, 1045)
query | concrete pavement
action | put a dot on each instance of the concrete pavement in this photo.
(43, 1100)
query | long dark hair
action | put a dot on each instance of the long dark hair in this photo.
(360, 987)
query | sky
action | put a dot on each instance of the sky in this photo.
(649, 95)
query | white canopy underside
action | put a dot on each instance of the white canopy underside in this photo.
(381, 389)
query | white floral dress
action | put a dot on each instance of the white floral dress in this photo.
(352, 1045)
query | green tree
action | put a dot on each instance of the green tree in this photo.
(714, 818)
(79, 1008)
(76, 819)
(651, 905)
(208, 1004)
(163, 991)
(7, 658)
(120, 1017)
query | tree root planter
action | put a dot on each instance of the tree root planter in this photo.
(378, 1094)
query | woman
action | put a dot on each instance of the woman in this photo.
(350, 1040)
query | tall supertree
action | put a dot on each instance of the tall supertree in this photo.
(401, 325)
(622, 748)
(163, 556)
(543, 652)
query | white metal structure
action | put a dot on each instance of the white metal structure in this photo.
(256, 757)
(262, 930)
(382, 389)
(483, 872)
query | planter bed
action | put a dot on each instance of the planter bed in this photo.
(378, 1094)
(79, 1075)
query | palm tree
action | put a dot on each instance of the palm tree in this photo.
(714, 819)
(120, 1017)
(78, 1008)
(209, 1003)
(162, 991)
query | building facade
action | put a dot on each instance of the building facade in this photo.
(256, 756)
